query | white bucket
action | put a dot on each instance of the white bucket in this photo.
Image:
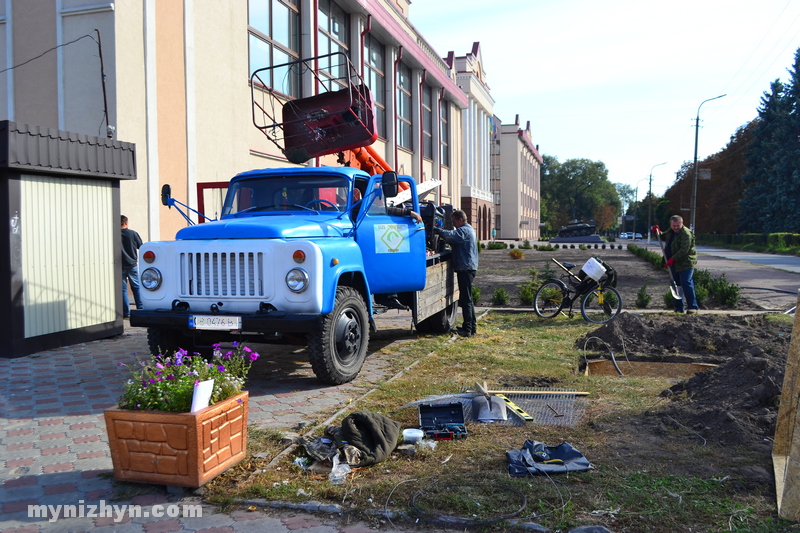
(594, 269)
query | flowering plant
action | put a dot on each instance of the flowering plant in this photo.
(167, 383)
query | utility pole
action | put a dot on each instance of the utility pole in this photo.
(694, 183)
(650, 202)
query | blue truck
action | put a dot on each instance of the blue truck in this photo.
(300, 255)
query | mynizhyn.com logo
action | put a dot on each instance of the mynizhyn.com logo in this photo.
(116, 512)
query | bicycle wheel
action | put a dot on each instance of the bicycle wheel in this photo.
(600, 307)
(550, 298)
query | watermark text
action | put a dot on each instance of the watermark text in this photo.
(113, 511)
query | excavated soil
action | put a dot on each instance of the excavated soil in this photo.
(729, 411)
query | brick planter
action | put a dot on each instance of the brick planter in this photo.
(183, 449)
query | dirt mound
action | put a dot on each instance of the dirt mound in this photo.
(735, 402)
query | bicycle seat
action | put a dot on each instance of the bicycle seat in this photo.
(568, 265)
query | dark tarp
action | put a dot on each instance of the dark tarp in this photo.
(536, 458)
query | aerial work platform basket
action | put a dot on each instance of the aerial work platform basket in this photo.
(340, 117)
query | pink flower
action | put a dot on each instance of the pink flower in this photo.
(196, 383)
(254, 356)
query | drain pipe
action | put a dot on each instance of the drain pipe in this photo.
(422, 125)
(396, 149)
(439, 147)
(367, 29)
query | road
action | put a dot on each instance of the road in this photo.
(769, 280)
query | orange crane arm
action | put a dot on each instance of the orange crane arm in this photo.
(371, 162)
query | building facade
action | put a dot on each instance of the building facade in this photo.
(516, 173)
(476, 194)
(173, 77)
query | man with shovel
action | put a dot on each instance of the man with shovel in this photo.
(680, 255)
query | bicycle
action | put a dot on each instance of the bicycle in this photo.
(600, 300)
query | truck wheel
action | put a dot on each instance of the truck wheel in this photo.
(337, 352)
(165, 341)
(442, 322)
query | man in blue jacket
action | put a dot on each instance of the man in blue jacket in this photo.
(465, 263)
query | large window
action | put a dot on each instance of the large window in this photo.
(274, 38)
(444, 133)
(376, 79)
(427, 122)
(334, 36)
(404, 121)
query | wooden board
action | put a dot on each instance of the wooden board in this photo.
(786, 450)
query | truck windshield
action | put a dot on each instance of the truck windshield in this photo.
(284, 193)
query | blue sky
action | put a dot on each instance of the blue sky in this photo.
(621, 81)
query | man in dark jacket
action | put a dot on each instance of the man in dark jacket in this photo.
(681, 257)
(131, 241)
(465, 263)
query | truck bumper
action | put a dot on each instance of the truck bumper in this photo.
(262, 323)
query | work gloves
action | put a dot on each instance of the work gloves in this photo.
(655, 229)
(670, 262)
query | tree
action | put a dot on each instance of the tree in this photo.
(575, 189)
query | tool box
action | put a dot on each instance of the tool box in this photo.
(442, 421)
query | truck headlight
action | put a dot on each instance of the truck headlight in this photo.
(297, 280)
(151, 279)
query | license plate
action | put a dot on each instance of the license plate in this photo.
(225, 323)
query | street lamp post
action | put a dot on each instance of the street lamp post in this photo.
(650, 201)
(636, 206)
(694, 183)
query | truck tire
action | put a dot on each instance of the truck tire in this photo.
(338, 350)
(165, 341)
(442, 322)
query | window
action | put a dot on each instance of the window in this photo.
(334, 36)
(427, 122)
(274, 39)
(376, 79)
(404, 107)
(444, 133)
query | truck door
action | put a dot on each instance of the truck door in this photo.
(393, 248)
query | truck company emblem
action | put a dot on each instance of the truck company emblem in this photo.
(391, 239)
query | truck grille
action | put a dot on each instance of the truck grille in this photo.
(222, 274)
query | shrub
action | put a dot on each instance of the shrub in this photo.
(526, 244)
(496, 246)
(546, 248)
(476, 295)
(669, 301)
(619, 247)
(482, 246)
(726, 293)
(555, 247)
(603, 246)
(500, 297)
(516, 254)
(701, 293)
(642, 298)
(511, 245)
(582, 247)
(534, 274)
(527, 292)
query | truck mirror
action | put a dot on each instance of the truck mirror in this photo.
(166, 193)
(389, 184)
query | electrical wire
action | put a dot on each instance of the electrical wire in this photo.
(47, 52)
(457, 521)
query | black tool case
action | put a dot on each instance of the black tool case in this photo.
(442, 421)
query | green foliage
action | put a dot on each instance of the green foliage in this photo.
(603, 246)
(546, 248)
(582, 247)
(726, 293)
(526, 244)
(701, 293)
(476, 295)
(496, 246)
(527, 292)
(166, 383)
(511, 245)
(642, 298)
(500, 297)
(669, 301)
(534, 274)
(516, 254)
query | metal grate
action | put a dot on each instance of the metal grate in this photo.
(222, 274)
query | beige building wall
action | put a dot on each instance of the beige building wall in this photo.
(519, 182)
(176, 85)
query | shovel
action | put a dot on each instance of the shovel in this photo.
(674, 288)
